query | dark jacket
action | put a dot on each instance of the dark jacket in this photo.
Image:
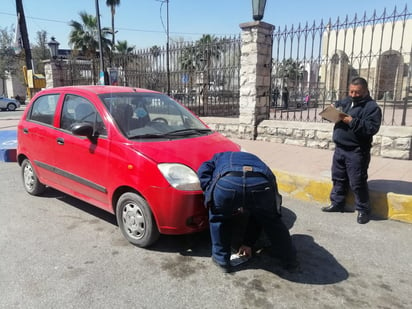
(222, 163)
(367, 117)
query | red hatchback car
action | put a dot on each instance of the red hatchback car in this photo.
(132, 152)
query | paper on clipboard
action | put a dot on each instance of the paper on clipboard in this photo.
(332, 114)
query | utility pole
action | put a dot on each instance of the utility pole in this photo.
(167, 48)
(24, 34)
(102, 75)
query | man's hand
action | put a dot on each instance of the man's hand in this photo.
(345, 118)
(245, 251)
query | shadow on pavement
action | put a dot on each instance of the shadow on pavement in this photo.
(318, 266)
(394, 186)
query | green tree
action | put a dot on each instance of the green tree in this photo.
(207, 49)
(84, 36)
(11, 64)
(113, 4)
(123, 48)
(289, 70)
(122, 57)
(40, 51)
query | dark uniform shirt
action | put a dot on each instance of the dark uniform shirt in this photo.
(367, 117)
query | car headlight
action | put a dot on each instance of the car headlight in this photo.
(180, 176)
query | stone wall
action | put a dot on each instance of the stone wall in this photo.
(390, 142)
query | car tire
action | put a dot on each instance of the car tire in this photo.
(135, 220)
(11, 107)
(30, 180)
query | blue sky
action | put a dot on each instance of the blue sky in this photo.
(140, 23)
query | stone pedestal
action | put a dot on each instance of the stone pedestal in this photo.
(255, 70)
(54, 73)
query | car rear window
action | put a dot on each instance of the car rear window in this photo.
(44, 108)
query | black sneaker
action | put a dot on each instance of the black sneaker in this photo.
(225, 268)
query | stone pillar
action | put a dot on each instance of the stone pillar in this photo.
(255, 70)
(54, 73)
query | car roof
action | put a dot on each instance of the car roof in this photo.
(100, 89)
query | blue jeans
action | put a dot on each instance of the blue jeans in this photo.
(256, 196)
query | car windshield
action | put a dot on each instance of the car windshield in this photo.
(151, 115)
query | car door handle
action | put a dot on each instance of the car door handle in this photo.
(25, 130)
(60, 140)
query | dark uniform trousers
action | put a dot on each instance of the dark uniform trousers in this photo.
(350, 169)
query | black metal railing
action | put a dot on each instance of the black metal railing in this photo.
(314, 62)
(317, 62)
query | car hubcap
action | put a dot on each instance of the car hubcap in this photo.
(28, 177)
(133, 220)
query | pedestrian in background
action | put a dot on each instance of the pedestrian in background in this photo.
(275, 96)
(285, 97)
(236, 182)
(353, 139)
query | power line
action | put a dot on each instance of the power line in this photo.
(119, 28)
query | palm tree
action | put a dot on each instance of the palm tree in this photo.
(84, 36)
(188, 63)
(112, 4)
(208, 48)
(124, 50)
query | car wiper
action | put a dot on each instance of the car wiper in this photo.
(190, 131)
(182, 132)
(148, 135)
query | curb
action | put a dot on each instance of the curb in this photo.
(386, 205)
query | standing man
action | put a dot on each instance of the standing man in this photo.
(353, 138)
(240, 181)
(275, 96)
(285, 97)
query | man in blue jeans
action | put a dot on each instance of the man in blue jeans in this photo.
(240, 181)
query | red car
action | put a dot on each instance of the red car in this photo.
(132, 152)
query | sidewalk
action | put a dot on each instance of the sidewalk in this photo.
(304, 173)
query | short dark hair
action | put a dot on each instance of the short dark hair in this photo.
(360, 81)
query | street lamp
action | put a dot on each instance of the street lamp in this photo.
(53, 47)
(258, 8)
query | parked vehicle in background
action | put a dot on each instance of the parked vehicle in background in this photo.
(132, 152)
(8, 104)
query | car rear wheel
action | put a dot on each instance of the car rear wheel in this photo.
(31, 183)
(11, 107)
(136, 220)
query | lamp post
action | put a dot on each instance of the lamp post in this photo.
(54, 53)
(53, 47)
(258, 8)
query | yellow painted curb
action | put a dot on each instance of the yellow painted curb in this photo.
(386, 205)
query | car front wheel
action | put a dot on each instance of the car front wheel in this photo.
(11, 107)
(136, 220)
(31, 183)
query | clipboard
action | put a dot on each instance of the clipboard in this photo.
(332, 114)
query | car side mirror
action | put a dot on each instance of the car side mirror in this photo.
(83, 129)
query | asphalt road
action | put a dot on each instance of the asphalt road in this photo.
(58, 252)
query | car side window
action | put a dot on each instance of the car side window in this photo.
(44, 108)
(79, 110)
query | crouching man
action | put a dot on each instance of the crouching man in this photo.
(240, 181)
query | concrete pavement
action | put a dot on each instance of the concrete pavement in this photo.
(304, 173)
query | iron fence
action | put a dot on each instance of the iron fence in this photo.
(203, 75)
(314, 63)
